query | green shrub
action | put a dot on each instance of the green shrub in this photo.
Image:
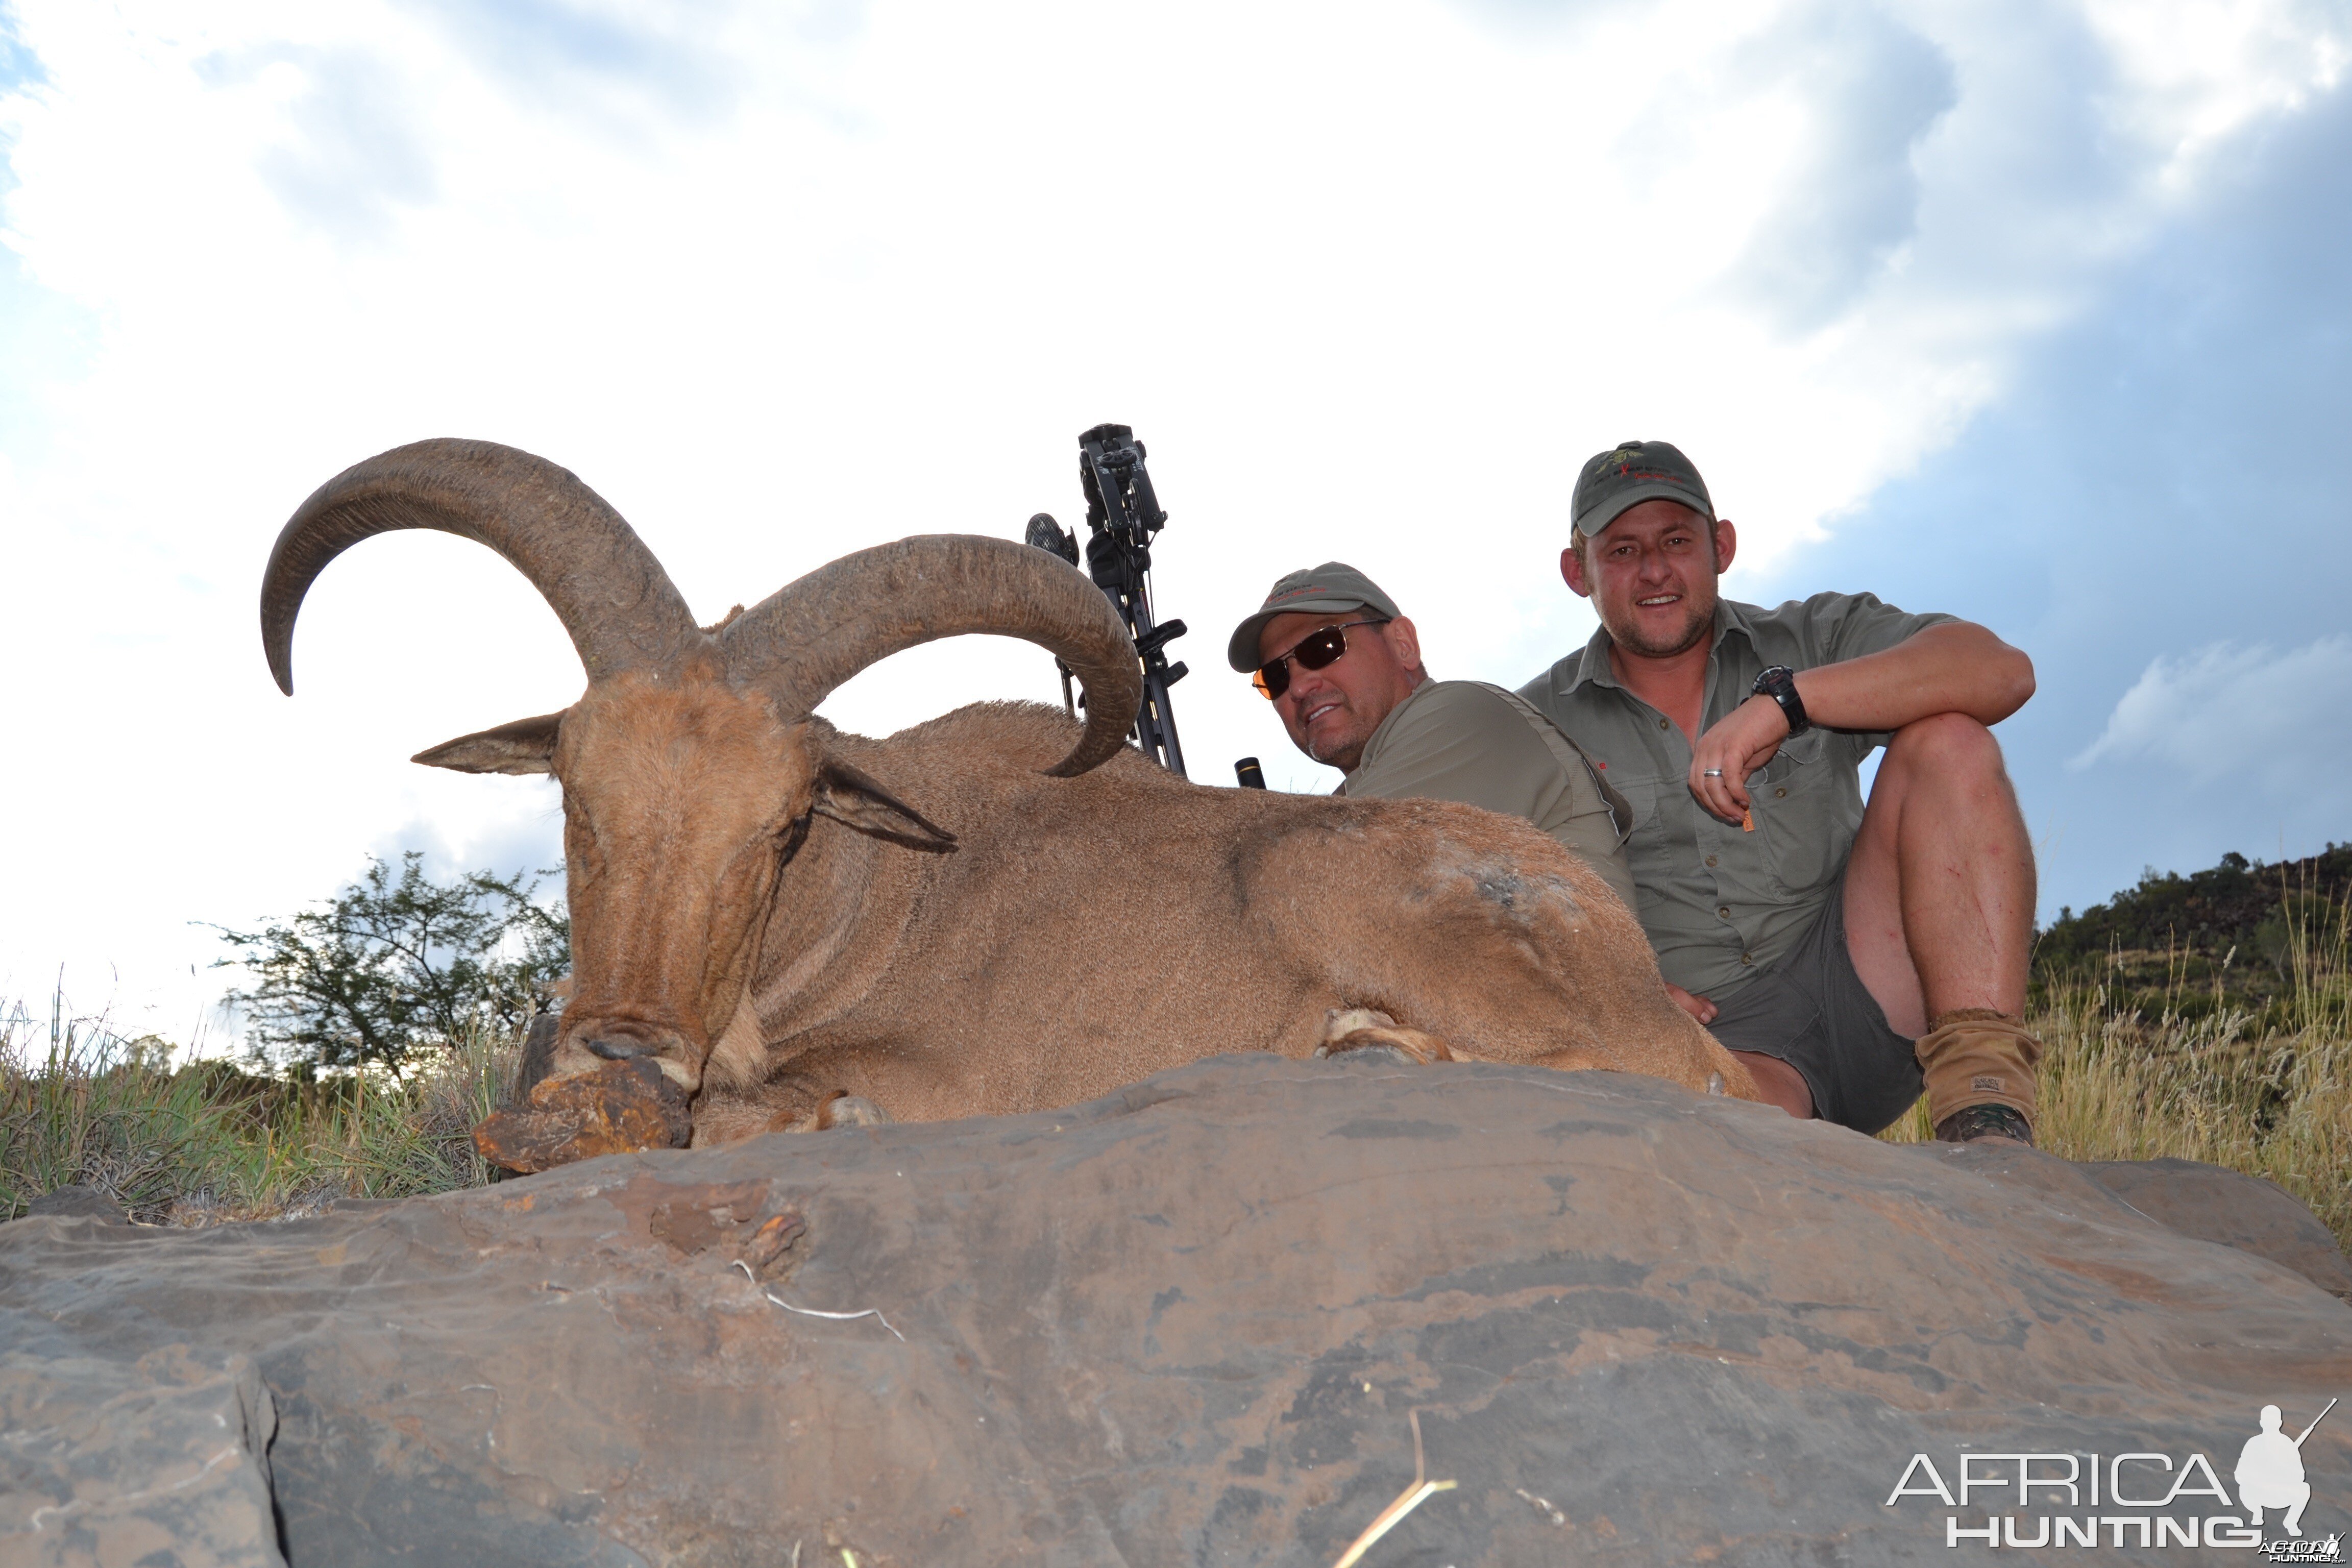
(395, 966)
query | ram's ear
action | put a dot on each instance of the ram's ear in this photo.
(525, 746)
(855, 800)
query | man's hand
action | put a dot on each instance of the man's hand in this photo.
(1742, 743)
(1699, 1007)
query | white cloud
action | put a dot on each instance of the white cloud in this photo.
(2196, 70)
(784, 281)
(2249, 714)
(1867, 90)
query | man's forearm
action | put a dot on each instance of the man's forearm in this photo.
(1955, 668)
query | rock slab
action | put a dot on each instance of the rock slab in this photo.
(1186, 1324)
(2228, 1206)
(158, 1460)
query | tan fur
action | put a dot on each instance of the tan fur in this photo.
(739, 1059)
(679, 795)
(1082, 933)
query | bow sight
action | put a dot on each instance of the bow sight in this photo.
(1123, 513)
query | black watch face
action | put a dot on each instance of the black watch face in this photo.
(1779, 683)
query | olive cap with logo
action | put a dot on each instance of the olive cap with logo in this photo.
(1629, 473)
(1334, 585)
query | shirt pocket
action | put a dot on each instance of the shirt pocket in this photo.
(1649, 829)
(1646, 851)
(1807, 807)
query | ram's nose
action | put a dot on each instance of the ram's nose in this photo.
(671, 1059)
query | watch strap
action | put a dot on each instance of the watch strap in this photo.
(1779, 683)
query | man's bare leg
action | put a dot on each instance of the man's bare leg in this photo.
(1939, 891)
(1781, 1084)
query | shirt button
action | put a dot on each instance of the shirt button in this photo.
(1748, 959)
(1781, 793)
(1710, 860)
(1661, 723)
(1725, 911)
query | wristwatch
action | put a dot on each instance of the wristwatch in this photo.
(1779, 683)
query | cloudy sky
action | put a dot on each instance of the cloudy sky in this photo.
(2034, 311)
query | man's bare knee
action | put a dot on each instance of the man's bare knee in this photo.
(1949, 747)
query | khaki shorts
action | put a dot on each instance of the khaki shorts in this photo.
(1813, 1011)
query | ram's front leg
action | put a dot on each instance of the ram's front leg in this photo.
(791, 1103)
(1350, 1030)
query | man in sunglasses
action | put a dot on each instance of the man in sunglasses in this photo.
(1851, 955)
(1344, 671)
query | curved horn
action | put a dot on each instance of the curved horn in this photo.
(604, 586)
(808, 637)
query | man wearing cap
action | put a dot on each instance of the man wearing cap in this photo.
(1343, 668)
(1851, 955)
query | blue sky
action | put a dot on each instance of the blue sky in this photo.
(2035, 312)
(2161, 508)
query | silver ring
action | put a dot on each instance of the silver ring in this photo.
(1710, 772)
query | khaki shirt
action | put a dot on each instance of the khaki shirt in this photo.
(1463, 740)
(1721, 905)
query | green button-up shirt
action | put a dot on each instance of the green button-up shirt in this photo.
(1721, 905)
(1466, 741)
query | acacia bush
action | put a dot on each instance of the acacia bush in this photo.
(391, 967)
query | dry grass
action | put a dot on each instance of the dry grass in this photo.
(209, 1143)
(2184, 1072)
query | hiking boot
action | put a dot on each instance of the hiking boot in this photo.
(1975, 1061)
(1984, 1122)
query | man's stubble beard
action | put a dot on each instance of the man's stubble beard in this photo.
(1348, 748)
(1701, 623)
(1347, 745)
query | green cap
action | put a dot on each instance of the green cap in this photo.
(1334, 585)
(1629, 473)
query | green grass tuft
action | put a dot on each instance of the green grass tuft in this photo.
(210, 1141)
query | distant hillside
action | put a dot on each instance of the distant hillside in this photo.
(2222, 937)
(2206, 912)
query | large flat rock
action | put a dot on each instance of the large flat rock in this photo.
(1186, 1324)
(2228, 1206)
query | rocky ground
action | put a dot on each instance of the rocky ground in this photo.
(1188, 1324)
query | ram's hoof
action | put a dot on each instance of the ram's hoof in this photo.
(839, 1109)
(620, 1107)
(852, 1111)
(1365, 1033)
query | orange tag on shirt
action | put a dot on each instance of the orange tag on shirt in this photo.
(1746, 820)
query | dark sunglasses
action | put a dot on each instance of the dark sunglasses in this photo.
(1316, 650)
